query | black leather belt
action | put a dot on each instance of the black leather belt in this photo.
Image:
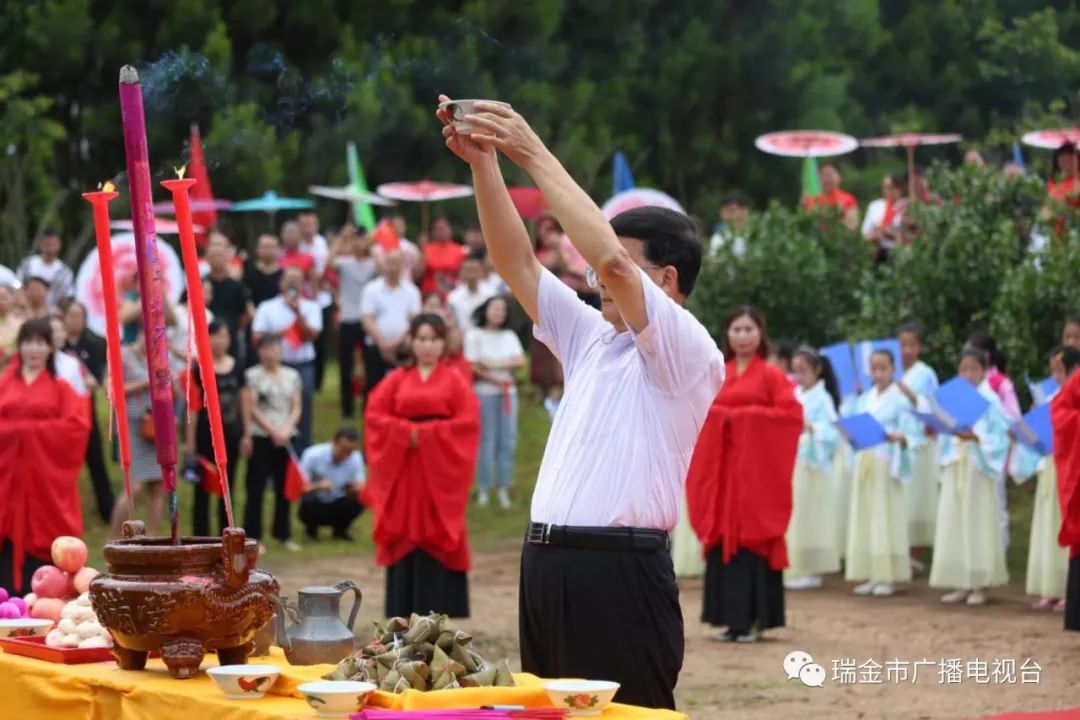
(597, 538)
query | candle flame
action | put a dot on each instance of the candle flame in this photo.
(106, 186)
(180, 171)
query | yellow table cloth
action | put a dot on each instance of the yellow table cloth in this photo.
(32, 688)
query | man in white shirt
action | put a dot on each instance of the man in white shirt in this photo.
(471, 291)
(315, 244)
(641, 374)
(335, 471)
(387, 306)
(48, 266)
(299, 322)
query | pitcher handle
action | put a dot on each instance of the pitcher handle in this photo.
(350, 585)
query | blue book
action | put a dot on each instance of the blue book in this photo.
(866, 348)
(1042, 390)
(957, 405)
(862, 431)
(1035, 431)
(843, 366)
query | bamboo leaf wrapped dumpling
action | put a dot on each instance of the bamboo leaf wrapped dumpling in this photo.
(483, 678)
(441, 662)
(445, 680)
(503, 676)
(416, 673)
(464, 658)
(344, 670)
(425, 629)
(390, 681)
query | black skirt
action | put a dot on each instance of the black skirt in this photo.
(418, 583)
(1072, 595)
(742, 595)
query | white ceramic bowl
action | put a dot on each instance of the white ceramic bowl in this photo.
(244, 682)
(458, 109)
(583, 698)
(24, 627)
(336, 698)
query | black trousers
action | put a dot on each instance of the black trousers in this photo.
(200, 512)
(266, 463)
(350, 334)
(320, 345)
(575, 602)
(99, 473)
(375, 368)
(338, 514)
(7, 570)
(743, 594)
(418, 583)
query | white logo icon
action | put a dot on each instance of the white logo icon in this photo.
(798, 665)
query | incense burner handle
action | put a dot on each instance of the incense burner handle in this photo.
(234, 557)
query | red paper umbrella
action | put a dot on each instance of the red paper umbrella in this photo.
(806, 143)
(910, 141)
(529, 201)
(639, 197)
(1052, 139)
(423, 191)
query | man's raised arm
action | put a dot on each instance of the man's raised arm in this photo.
(508, 243)
(583, 221)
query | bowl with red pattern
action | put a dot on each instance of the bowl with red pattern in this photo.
(582, 698)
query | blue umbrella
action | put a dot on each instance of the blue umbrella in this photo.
(620, 172)
(270, 202)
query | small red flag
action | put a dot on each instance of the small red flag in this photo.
(211, 478)
(296, 482)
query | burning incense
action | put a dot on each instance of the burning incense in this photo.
(150, 285)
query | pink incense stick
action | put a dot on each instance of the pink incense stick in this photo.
(150, 285)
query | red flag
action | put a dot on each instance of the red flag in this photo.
(296, 482)
(211, 478)
(201, 190)
(385, 237)
(293, 337)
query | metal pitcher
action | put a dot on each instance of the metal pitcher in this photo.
(318, 635)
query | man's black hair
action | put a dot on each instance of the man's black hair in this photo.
(479, 254)
(50, 232)
(670, 238)
(734, 199)
(347, 433)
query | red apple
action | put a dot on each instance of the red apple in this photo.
(69, 553)
(50, 582)
(48, 609)
(82, 579)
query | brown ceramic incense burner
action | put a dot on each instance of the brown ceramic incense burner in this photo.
(203, 595)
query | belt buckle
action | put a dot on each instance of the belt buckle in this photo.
(540, 534)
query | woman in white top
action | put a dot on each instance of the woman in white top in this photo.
(494, 351)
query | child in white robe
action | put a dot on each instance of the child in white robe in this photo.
(969, 552)
(878, 552)
(811, 536)
(1048, 562)
(919, 384)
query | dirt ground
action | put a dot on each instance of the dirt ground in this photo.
(748, 681)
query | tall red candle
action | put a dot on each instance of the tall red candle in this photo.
(118, 399)
(197, 306)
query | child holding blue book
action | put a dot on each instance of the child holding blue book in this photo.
(811, 534)
(1048, 562)
(877, 541)
(969, 552)
(919, 384)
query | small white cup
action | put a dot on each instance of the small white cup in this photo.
(244, 682)
(583, 698)
(458, 109)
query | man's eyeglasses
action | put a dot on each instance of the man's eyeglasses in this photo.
(593, 280)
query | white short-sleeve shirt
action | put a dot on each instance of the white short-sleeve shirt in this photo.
(392, 308)
(275, 316)
(630, 415)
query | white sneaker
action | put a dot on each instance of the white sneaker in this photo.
(865, 589)
(504, 498)
(954, 597)
(482, 498)
(810, 582)
(977, 597)
(750, 637)
(883, 590)
(292, 546)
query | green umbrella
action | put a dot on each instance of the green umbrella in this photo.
(362, 212)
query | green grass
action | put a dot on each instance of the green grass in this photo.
(487, 526)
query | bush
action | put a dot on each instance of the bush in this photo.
(801, 269)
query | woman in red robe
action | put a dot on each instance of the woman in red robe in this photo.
(44, 427)
(422, 434)
(738, 487)
(1065, 419)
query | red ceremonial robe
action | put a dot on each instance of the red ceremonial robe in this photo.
(420, 494)
(1065, 418)
(738, 486)
(44, 428)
